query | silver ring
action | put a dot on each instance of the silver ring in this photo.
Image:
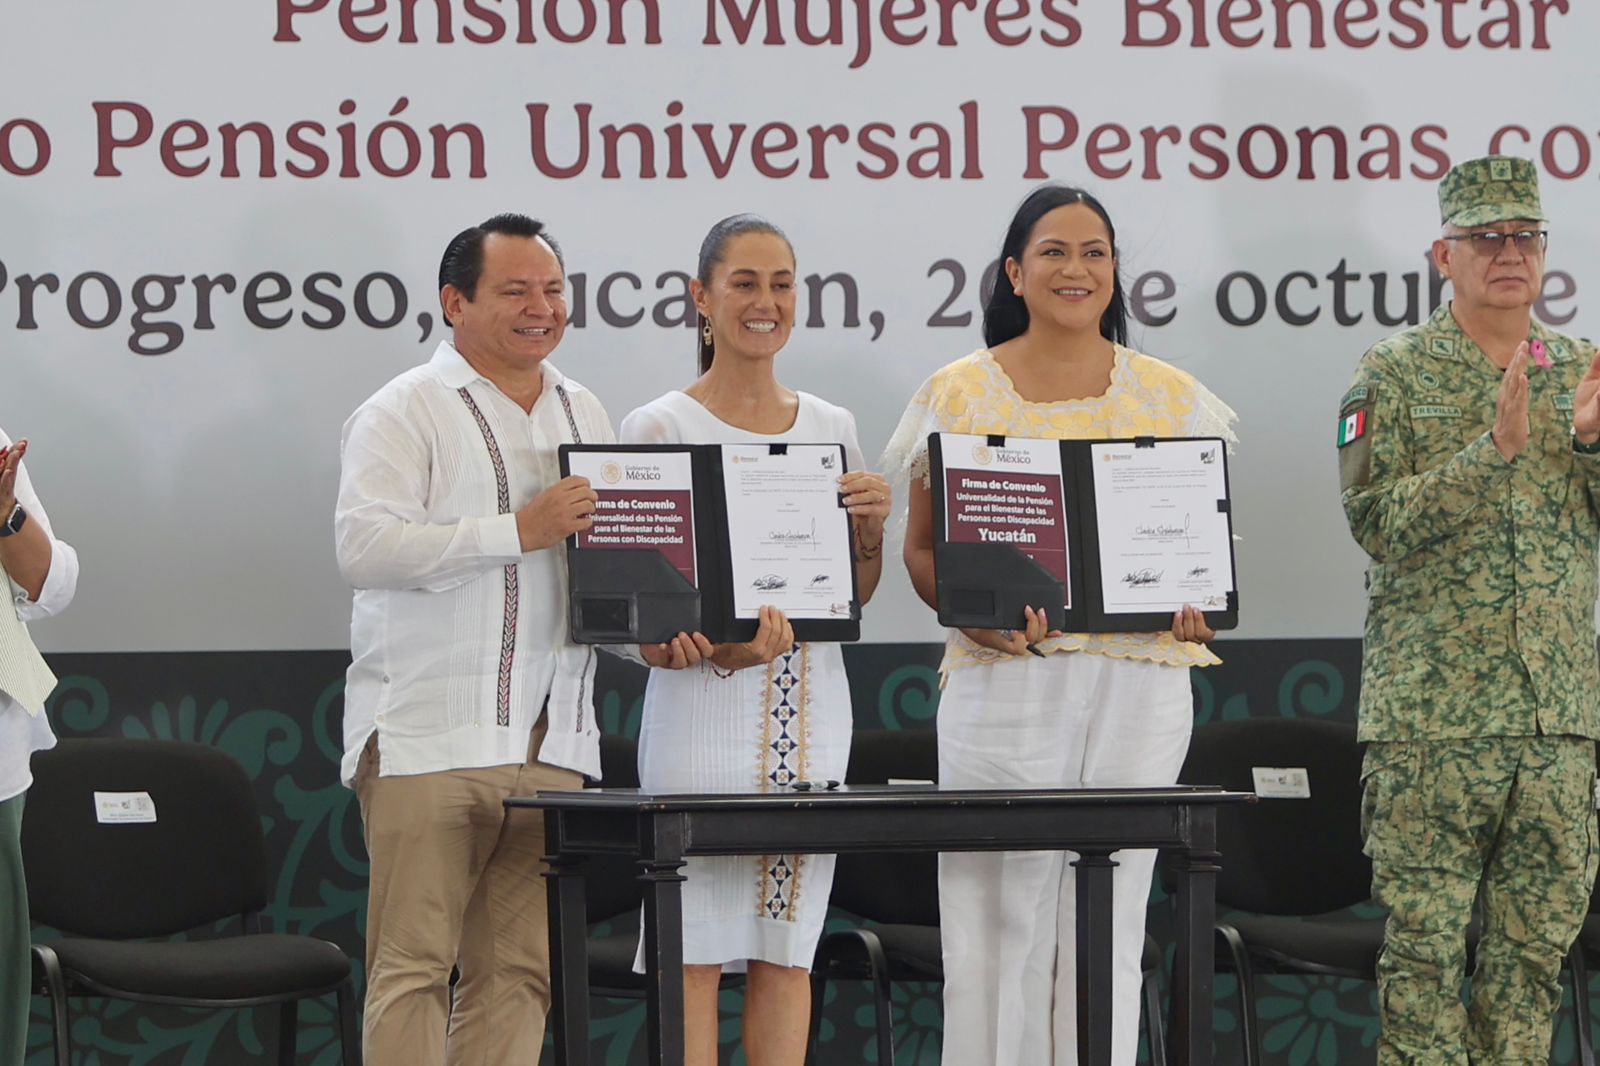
(1008, 635)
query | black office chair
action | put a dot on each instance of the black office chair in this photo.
(1295, 865)
(114, 886)
(612, 891)
(1292, 864)
(613, 894)
(899, 892)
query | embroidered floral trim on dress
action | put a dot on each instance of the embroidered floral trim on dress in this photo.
(1149, 647)
(785, 740)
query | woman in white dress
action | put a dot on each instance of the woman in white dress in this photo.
(1035, 706)
(758, 716)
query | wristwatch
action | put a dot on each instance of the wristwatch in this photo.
(15, 522)
(1577, 446)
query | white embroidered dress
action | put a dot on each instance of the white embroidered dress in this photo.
(760, 728)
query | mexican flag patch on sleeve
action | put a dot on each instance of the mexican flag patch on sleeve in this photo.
(1352, 427)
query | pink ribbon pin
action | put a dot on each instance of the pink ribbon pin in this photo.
(1541, 355)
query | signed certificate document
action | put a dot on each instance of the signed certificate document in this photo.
(1164, 539)
(789, 537)
(646, 502)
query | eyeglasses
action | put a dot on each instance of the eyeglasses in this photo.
(1528, 241)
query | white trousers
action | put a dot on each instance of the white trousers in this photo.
(1008, 918)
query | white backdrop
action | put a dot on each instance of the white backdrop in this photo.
(198, 483)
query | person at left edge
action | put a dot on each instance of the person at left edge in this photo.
(41, 576)
(464, 687)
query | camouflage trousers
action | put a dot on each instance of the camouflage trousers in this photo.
(1512, 818)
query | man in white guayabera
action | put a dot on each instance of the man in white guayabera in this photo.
(464, 687)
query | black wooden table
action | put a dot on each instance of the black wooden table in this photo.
(661, 830)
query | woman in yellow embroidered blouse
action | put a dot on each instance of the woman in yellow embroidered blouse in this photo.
(1096, 709)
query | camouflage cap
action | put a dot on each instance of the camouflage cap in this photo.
(1492, 189)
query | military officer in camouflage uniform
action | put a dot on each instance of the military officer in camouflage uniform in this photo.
(1469, 459)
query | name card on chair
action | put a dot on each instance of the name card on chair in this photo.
(1282, 782)
(115, 807)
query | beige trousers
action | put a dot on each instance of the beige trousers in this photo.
(456, 882)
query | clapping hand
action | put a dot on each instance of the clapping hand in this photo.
(1586, 405)
(1510, 432)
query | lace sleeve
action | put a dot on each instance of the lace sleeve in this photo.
(922, 467)
(906, 457)
(1213, 418)
(907, 453)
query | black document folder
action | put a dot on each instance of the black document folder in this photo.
(982, 585)
(987, 585)
(616, 595)
(634, 593)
